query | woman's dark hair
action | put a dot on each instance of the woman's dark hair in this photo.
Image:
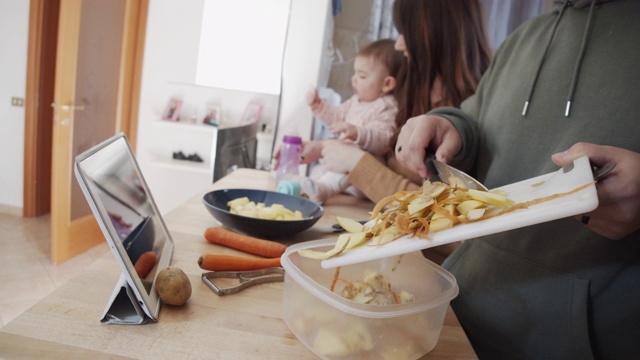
(445, 39)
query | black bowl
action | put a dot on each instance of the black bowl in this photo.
(216, 202)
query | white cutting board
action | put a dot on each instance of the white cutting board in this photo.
(558, 182)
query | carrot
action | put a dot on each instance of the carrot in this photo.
(217, 262)
(248, 244)
(145, 263)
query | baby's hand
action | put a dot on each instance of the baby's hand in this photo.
(347, 131)
(312, 98)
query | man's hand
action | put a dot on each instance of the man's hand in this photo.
(426, 132)
(618, 212)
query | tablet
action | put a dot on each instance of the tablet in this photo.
(122, 204)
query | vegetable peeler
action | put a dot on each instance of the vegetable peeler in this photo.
(241, 280)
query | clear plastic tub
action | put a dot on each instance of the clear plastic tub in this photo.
(334, 327)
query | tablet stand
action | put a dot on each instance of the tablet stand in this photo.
(123, 307)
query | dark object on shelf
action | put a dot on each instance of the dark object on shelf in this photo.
(181, 156)
(194, 157)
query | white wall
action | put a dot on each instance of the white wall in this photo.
(169, 69)
(14, 29)
(307, 41)
(171, 54)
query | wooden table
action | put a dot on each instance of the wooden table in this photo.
(247, 325)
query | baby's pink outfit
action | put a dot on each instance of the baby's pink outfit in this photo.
(376, 124)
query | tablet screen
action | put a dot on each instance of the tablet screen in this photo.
(128, 216)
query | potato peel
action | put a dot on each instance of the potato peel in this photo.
(403, 213)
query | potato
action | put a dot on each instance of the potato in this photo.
(173, 286)
(242, 206)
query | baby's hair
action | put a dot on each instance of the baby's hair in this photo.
(384, 51)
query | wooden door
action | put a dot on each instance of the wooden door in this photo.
(95, 96)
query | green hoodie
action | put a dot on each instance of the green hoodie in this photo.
(555, 290)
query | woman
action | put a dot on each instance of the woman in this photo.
(447, 50)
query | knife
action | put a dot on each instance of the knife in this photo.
(445, 171)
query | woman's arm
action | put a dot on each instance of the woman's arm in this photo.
(376, 180)
(366, 173)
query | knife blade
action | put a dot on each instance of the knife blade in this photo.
(445, 171)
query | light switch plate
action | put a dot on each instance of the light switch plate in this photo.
(16, 101)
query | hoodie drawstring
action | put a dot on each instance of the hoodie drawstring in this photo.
(576, 71)
(544, 55)
(583, 48)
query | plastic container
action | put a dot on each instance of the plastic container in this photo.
(289, 163)
(333, 327)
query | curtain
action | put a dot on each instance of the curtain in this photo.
(381, 24)
(504, 16)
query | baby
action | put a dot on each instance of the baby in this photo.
(367, 119)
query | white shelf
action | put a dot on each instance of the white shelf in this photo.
(181, 125)
(172, 181)
(182, 165)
